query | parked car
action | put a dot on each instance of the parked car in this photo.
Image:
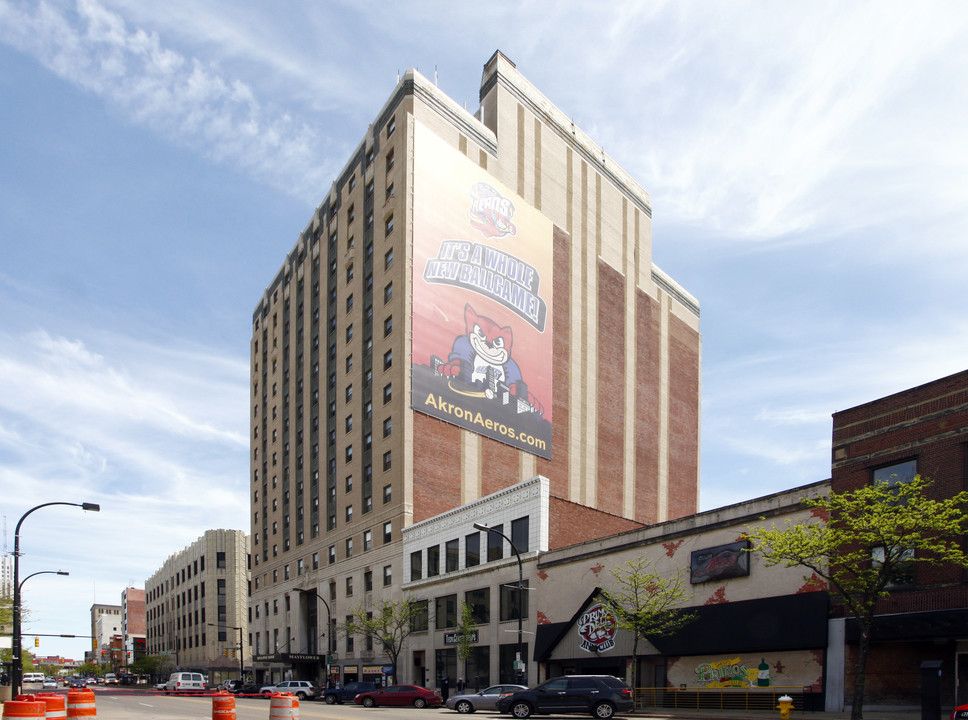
(959, 712)
(600, 696)
(347, 693)
(186, 682)
(302, 689)
(483, 700)
(399, 695)
(248, 689)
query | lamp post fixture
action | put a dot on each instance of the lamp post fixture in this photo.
(16, 664)
(241, 648)
(329, 626)
(485, 528)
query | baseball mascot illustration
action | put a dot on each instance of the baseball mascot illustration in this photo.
(480, 363)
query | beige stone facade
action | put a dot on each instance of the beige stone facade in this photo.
(341, 461)
(197, 606)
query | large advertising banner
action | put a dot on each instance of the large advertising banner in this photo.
(482, 342)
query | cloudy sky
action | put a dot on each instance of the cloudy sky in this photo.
(807, 164)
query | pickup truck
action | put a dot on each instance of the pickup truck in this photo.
(332, 696)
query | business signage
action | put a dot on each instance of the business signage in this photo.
(720, 563)
(482, 271)
(453, 638)
(596, 629)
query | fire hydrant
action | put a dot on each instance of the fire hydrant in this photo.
(785, 706)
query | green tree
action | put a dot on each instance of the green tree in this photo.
(390, 624)
(646, 603)
(148, 665)
(465, 636)
(871, 540)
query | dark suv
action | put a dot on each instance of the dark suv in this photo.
(347, 693)
(601, 696)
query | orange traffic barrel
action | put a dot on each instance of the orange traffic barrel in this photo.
(24, 706)
(56, 705)
(80, 704)
(282, 706)
(223, 706)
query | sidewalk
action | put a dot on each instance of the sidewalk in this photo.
(869, 714)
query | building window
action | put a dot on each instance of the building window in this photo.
(387, 493)
(519, 534)
(495, 544)
(349, 547)
(479, 602)
(388, 293)
(433, 561)
(349, 513)
(332, 554)
(387, 359)
(388, 259)
(904, 569)
(390, 160)
(368, 581)
(472, 550)
(387, 531)
(387, 460)
(388, 225)
(348, 393)
(510, 609)
(388, 326)
(897, 473)
(420, 620)
(349, 423)
(387, 575)
(349, 302)
(350, 214)
(447, 612)
(349, 483)
(348, 452)
(389, 192)
(391, 126)
(349, 332)
(387, 393)
(451, 555)
(367, 540)
(315, 561)
(416, 565)
(349, 638)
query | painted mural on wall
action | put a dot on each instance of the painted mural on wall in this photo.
(799, 668)
(596, 629)
(482, 341)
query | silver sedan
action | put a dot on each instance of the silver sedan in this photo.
(483, 700)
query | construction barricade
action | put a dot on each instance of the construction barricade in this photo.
(283, 706)
(56, 705)
(223, 706)
(80, 704)
(24, 706)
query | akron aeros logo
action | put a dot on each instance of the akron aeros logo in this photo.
(490, 212)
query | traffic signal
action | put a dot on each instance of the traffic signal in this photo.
(36, 642)
(225, 653)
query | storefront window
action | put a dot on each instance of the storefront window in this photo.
(509, 602)
(480, 604)
(447, 611)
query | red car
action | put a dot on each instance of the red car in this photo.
(399, 695)
(960, 712)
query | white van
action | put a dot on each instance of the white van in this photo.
(185, 681)
(34, 677)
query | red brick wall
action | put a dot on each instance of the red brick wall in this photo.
(436, 466)
(500, 466)
(929, 424)
(610, 404)
(556, 469)
(570, 523)
(647, 409)
(683, 419)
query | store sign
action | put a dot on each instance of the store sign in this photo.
(596, 628)
(456, 638)
(720, 563)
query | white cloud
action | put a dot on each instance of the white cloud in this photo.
(187, 100)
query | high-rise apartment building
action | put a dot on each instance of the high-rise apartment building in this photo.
(195, 606)
(472, 305)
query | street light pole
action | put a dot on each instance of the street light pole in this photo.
(485, 528)
(16, 663)
(329, 626)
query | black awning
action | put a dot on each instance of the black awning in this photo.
(928, 625)
(789, 622)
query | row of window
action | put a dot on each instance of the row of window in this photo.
(429, 560)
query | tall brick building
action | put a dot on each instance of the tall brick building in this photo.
(472, 305)
(923, 430)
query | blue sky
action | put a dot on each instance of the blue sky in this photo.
(807, 164)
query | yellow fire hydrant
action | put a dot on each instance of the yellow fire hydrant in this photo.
(785, 706)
